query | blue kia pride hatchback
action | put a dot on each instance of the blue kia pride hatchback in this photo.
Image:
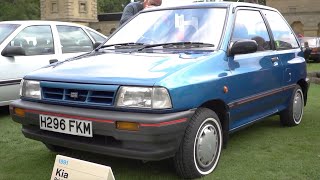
(172, 82)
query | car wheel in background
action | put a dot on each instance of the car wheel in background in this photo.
(292, 116)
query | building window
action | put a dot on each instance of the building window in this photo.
(82, 7)
(292, 9)
(54, 7)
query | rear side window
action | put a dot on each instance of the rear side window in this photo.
(254, 29)
(283, 36)
(74, 39)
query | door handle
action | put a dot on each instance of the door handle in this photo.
(51, 61)
(274, 59)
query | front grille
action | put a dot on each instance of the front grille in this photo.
(76, 95)
(79, 93)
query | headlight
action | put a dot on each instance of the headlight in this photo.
(143, 97)
(30, 89)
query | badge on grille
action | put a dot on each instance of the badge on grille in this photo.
(74, 95)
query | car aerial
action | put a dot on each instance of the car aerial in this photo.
(314, 45)
(29, 45)
(176, 86)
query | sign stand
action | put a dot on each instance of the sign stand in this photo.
(74, 169)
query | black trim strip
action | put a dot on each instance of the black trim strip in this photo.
(10, 82)
(251, 122)
(259, 96)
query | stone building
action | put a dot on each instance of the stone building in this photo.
(303, 15)
(106, 22)
(79, 11)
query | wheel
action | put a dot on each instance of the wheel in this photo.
(54, 148)
(200, 149)
(292, 116)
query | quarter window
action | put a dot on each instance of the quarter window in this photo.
(96, 36)
(35, 40)
(250, 25)
(74, 39)
(283, 36)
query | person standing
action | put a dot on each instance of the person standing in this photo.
(134, 7)
(307, 51)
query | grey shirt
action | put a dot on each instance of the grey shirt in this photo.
(130, 10)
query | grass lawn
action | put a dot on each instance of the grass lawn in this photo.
(262, 151)
(313, 67)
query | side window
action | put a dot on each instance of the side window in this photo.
(35, 40)
(96, 37)
(74, 39)
(283, 36)
(250, 25)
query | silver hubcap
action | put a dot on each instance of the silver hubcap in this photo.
(297, 106)
(206, 145)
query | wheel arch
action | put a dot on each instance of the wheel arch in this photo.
(222, 110)
(304, 86)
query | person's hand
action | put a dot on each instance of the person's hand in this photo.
(150, 6)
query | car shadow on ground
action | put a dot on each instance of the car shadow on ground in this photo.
(163, 169)
(156, 169)
(4, 111)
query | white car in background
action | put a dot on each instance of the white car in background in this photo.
(29, 45)
(181, 2)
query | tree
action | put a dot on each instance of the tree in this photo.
(108, 6)
(19, 10)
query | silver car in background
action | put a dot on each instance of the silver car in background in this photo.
(29, 45)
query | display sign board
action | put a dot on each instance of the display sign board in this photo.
(66, 168)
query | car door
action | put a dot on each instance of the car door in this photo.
(37, 41)
(288, 51)
(73, 41)
(257, 77)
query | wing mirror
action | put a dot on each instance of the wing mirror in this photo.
(244, 46)
(11, 51)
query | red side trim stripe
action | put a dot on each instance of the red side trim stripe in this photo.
(69, 116)
(164, 123)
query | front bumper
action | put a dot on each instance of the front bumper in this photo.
(158, 137)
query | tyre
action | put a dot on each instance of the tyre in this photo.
(292, 116)
(200, 149)
(55, 148)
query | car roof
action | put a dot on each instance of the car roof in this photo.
(40, 22)
(224, 4)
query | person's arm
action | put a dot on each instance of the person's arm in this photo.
(128, 12)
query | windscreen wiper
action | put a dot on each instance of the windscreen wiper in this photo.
(104, 46)
(178, 45)
(120, 44)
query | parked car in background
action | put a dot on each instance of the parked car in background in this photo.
(314, 45)
(29, 45)
(170, 83)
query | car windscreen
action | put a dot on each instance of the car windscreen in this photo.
(6, 30)
(203, 25)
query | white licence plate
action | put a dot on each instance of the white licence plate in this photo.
(65, 125)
